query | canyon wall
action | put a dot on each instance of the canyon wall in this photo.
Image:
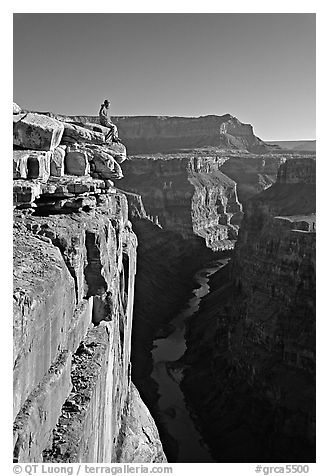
(252, 173)
(74, 280)
(189, 196)
(250, 360)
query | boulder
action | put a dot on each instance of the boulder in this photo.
(57, 161)
(105, 165)
(37, 131)
(76, 162)
(73, 133)
(16, 108)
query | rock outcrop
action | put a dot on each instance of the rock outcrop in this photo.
(74, 278)
(46, 146)
(251, 349)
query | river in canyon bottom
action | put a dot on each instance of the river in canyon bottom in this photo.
(172, 407)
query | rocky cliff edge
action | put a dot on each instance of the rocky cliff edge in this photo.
(74, 274)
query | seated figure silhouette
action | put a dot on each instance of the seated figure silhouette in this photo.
(105, 120)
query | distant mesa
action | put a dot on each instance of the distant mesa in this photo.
(174, 133)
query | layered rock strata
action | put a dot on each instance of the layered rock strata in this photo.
(251, 350)
(188, 196)
(74, 277)
(252, 173)
(45, 146)
(163, 134)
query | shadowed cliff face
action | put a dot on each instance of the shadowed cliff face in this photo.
(188, 196)
(251, 349)
(252, 173)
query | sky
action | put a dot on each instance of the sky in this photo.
(259, 67)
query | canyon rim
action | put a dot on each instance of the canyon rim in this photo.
(164, 282)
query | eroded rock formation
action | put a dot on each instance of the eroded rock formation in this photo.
(74, 278)
(251, 350)
(188, 196)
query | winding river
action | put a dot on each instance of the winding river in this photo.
(174, 413)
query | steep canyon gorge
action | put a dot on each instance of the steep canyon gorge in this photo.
(104, 269)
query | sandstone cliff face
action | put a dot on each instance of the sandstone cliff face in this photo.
(188, 196)
(74, 278)
(251, 350)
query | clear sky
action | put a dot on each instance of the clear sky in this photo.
(258, 67)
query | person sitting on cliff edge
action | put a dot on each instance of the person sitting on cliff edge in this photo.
(105, 120)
